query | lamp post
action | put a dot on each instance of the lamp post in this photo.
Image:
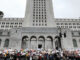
(59, 45)
(59, 37)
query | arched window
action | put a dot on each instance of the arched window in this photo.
(42, 38)
(75, 43)
(33, 38)
(0, 42)
(49, 38)
(6, 44)
(25, 38)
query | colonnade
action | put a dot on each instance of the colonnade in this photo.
(39, 42)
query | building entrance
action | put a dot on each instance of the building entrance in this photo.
(24, 44)
(39, 46)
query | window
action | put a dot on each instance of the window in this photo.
(61, 23)
(20, 26)
(62, 26)
(70, 26)
(42, 24)
(57, 23)
(79, 40)
(7, 23)
(36, 20)
(39, 21)
(45, 24)
(75, 33)
(75, 43)
(74, 24)
(8, 33)
(72, 33)
(12, 23)
(6, 26)
(39, 24)
(15, 26)
(78, 26)
(58, 26)
(3, 22)
(1, 33)
(45, 21)
(20, 23)
(33, 20)
(36, 24)
(69, 23)
(0, 42)
(33, 24)
(79, 33)
(66, 24)
(6, 44)
(2, 26)
(11, 26)
(16, 23)
(77, 23)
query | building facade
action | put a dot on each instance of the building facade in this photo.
(39, 29)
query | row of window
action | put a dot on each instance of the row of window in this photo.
(10, 23)
(39, 4)
(39, 21)
(39, 24)
(39, 9)
(39, 0)
(68, 26)
(6, 43)
(76, 34)
(2, 26)
(39, 13)
(68, 20)
(40, 17)
(68, 23)
(4, 33)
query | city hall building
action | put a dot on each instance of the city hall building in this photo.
(39, 29)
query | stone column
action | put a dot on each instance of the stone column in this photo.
(37, 44)
(29, 44)
(2, 43)
(45, 43)
(54, 43)
(62, 42)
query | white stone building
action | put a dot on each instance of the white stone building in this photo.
(39, 29)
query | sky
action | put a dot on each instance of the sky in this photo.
(61, 8)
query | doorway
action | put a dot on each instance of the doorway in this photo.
(24, 44)
(40, 46)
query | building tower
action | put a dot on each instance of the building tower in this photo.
(39, 13)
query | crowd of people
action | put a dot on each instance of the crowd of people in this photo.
(30, 54)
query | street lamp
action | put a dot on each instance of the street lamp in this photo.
(59, 37)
